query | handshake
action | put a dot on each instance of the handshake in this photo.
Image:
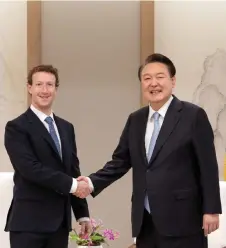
(84, 187)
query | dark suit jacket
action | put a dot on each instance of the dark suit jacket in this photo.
(41, 198)
(182, 177)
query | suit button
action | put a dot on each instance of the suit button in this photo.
(148, 170)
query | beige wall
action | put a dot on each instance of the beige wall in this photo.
(193, 34)
(188, 32)
(95, 46)
(13, 67)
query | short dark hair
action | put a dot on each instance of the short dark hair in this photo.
(43, 68)
(158, 58)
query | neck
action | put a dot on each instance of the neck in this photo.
(45, 110)
(157, 105)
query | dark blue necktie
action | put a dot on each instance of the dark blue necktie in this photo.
(53, 134)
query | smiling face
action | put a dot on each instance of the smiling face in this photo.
(157, 84)
(43, 91)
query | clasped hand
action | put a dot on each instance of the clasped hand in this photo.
(83, 187)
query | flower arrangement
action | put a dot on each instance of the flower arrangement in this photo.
(96, 237)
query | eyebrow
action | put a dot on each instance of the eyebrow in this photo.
(159, 73)
(44, 82)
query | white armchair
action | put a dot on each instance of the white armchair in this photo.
(6, 193)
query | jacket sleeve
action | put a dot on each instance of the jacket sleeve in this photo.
(25, 162)
(117, 167)
(203, 141)
(79, 206)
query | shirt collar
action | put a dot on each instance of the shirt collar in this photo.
(162, 111)
(40, 114)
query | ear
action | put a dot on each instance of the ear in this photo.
(173, 81)
(29, 88)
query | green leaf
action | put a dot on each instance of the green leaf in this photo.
(97, 238)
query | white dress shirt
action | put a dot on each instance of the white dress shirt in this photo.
(42, 116)
(150, 123)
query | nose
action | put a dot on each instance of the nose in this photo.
(153, 82)
(44, 88)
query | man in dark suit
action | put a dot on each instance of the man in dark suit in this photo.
(170, 147)
(42, 150)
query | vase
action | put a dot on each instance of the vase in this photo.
(81, 246)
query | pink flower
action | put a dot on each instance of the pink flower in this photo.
(97, 235)
(93, 223)
(108, 233)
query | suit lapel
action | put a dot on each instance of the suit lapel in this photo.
(170, 121)
(38, 126)
(142, 125)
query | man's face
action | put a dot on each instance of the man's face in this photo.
(157, 84)
(43, 90)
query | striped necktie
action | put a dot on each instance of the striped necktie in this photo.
(53, 133)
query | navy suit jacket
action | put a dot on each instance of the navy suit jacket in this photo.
(181, 179)
(41, 199)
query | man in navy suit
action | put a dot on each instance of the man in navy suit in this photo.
(169, 144)
(42, 150)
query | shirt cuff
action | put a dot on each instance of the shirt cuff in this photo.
(90, 184)
(83, 219)
(74, 186)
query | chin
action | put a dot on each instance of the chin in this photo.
(156, 99)
(45, 105)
